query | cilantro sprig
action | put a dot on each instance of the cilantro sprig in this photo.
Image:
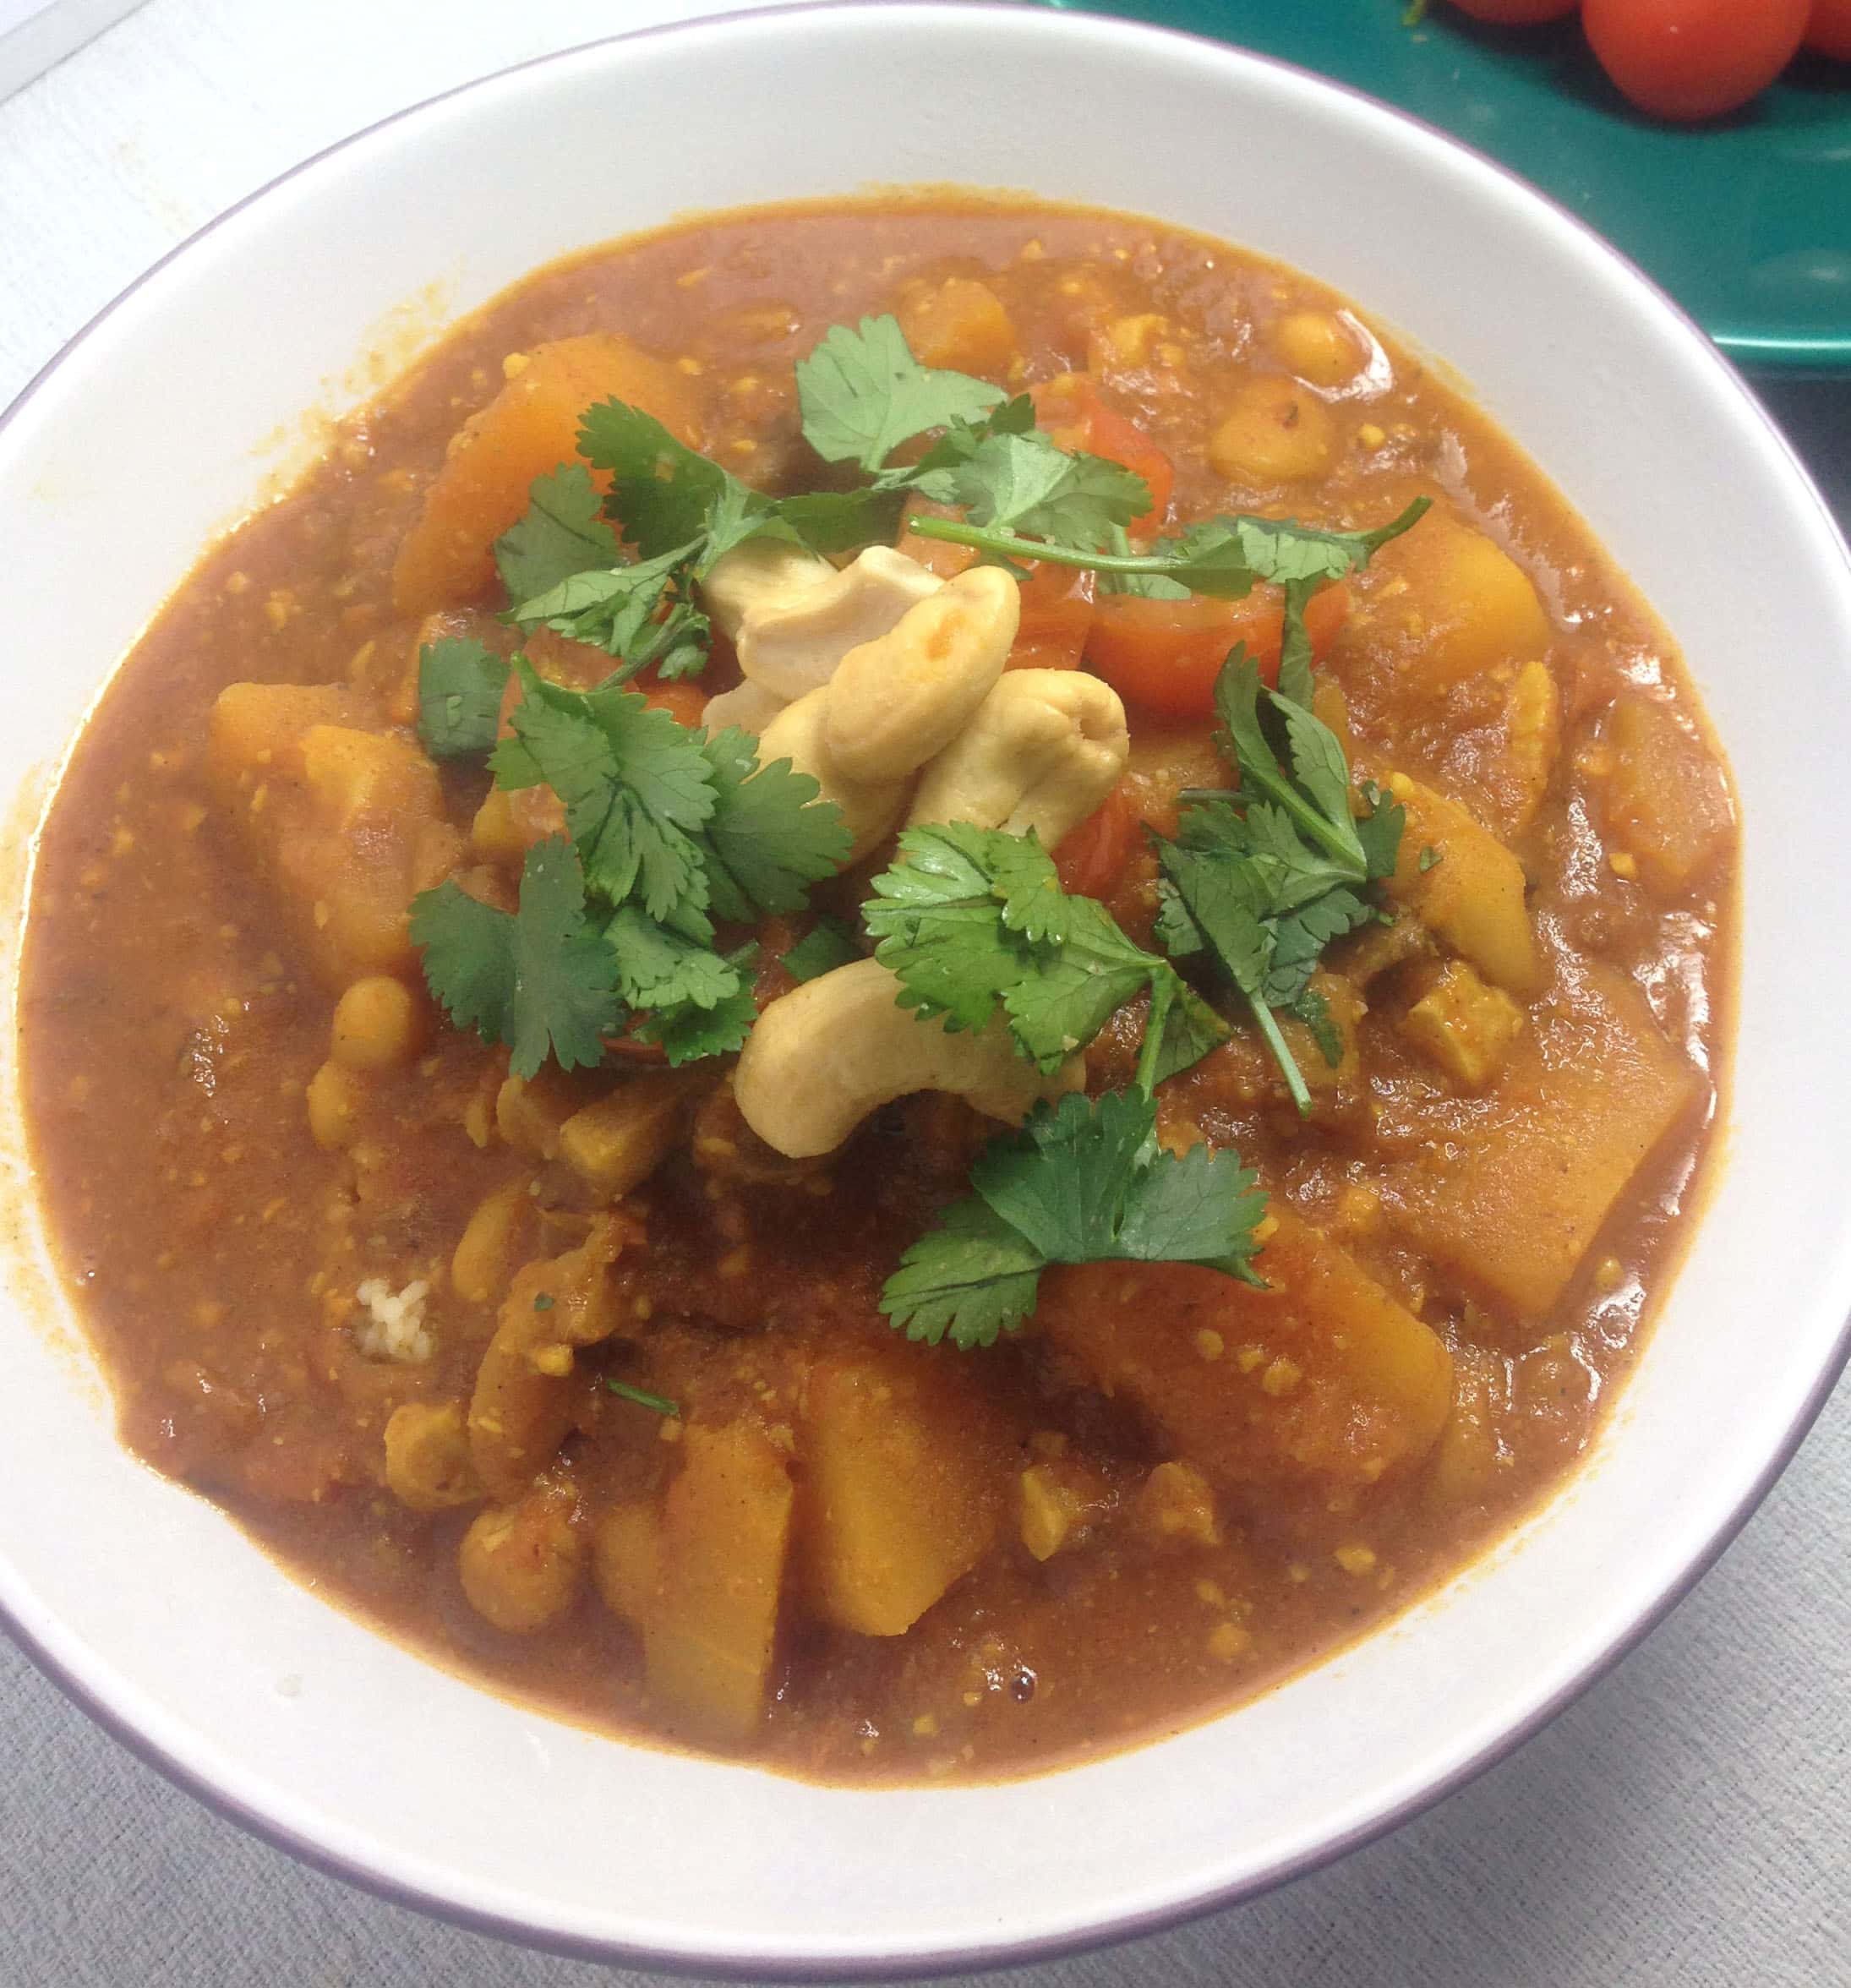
(459, 686)
(670, 832)
(1263, 881)
(1083, 1181)
(972, 921)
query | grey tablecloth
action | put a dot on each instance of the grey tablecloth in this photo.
(1683, 1824)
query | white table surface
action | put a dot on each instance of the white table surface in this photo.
(1684, 1823)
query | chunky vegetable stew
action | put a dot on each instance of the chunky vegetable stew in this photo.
(904, 988)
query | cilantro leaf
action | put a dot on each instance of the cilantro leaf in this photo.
(562, 532)
(636, 786)
(972, 1277)
(972, 921)
(1083, 1181)
(459, 683)
(1265, 891)
(771, 835)
(862, 393)
(658, 968)
(688, 1032)
(661, 491)
(1018, 484)
(539, 979)
(829, 943)
(638, 612)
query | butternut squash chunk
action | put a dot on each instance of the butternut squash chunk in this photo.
(901, 1494)
(348, 822)
(1584, 1096)
(1464, 606)
(1470, 892)
(708, 1635)
(1321, 1377)
(527, 430)
(1666, 803)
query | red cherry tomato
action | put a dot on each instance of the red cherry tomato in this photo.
(1163, 656)
(1694, 58)
(1069, 408)
(1516, 13)
(1828, 29)
(1092, 857)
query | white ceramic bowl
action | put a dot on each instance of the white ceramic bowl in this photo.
(139, 444)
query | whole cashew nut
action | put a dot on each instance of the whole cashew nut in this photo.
(1043, 751)
(792, 645)
(758, 577)
(895, 702)
(748, 705)
(870, 808)
(824, 1056)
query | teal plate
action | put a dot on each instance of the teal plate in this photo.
(1745, 221)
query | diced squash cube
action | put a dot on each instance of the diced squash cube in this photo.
(1463, 1026)
(1320, 1376)
(1463, 606)
(616, 1143)
(1529, 1171)
(960, 324)
(1177, 1502)
(484, 1252)
(1533, 731)
(1469, 891)
(708, 1636)
(1667, 801)
(531, 1111)
(348, 822)
(1055, 1500)
(626, 1559)
(527, 430)
(903, 1485)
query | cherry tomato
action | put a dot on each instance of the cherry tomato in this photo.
(1057, 618)
(683, 702)
(1164, 655)
(1092, 857)
(1828, 29)
(1694, 58)
(1068, 408)
(1516, 13)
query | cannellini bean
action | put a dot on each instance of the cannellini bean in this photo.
(827, 1054)
(1044, 750)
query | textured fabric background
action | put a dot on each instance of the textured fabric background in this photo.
(1683, 1824)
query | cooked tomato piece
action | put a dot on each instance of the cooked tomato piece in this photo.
(1165, 655)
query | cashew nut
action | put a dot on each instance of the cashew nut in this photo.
(895, 702)
(792, 645)
(797, 733)
(1044, 750)
(759, 575)
(824, 1056)
(748, 705)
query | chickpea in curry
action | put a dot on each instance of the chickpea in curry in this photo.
(904, 988)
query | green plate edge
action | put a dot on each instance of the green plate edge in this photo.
(1746, 219)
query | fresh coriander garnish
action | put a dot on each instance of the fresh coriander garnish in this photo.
(971, 920)
(1083, 1181)
(862, 394)
(544, 1301)
(539, 979)
(1263, 881)
(562, 532)
(659, 1404)
(829, 943)
(669, 831)
(1225, 557)
(459, 686)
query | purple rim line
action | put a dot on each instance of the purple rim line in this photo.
(1158, 1919)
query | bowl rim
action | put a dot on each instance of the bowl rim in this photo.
(88, 1694)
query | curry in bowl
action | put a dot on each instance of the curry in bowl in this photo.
(904, 988)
